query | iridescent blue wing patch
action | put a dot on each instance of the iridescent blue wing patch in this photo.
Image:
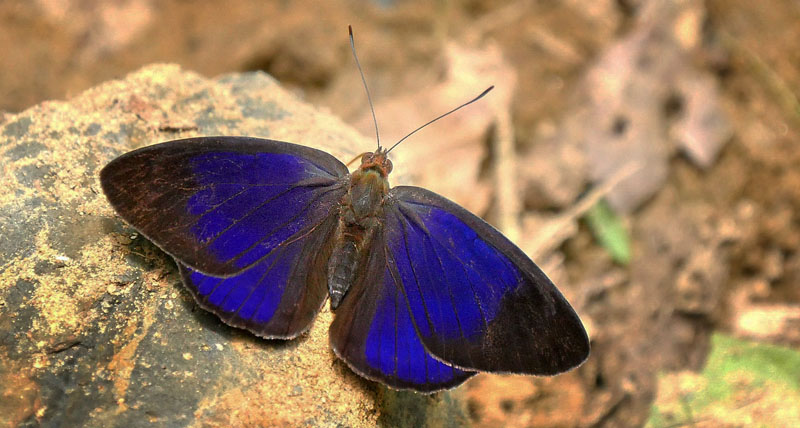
(374, 334)
(280, 295)
(476, 300)
(219, 205)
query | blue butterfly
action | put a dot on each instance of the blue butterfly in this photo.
(425, 294)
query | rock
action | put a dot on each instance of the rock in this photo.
(95, 327)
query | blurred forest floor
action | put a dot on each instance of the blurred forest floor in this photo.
(644, 152)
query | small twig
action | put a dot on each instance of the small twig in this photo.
(500, 18)
(177, 127)
(505, 166)
(786, 98)
(65, 345)
(557, 229)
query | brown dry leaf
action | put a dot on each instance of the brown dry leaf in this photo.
(638, 86)
(552, 173)
(773, 323)
(703, 129)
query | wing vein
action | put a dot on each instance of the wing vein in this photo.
(449, 292)
(279, 227)
(471, 284)
(396, 364)
(221, 280)
(416, 281)
(303, 250)
(260, 280)
(240, 219)
(264, 297)
(476, 271)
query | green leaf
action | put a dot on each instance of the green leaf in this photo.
(743, 384)
(609, 232)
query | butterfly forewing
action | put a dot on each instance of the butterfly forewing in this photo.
(221, 204)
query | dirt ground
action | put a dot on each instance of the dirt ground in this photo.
(701, 96)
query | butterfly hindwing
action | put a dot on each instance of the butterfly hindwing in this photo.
(279, 296)
(374, 334)
(221, 204)
(476, 300)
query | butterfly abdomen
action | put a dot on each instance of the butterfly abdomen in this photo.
(360, 211)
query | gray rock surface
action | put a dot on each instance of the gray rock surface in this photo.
(95, 327)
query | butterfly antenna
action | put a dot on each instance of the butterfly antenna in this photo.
(366, 88)
(449, 112)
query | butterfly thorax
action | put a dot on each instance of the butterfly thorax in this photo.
(359, 221)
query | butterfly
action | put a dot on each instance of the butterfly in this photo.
(424, 293)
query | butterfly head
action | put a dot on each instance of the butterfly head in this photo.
(378, 161)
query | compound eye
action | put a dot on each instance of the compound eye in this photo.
(367, 158)
(387, 165)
